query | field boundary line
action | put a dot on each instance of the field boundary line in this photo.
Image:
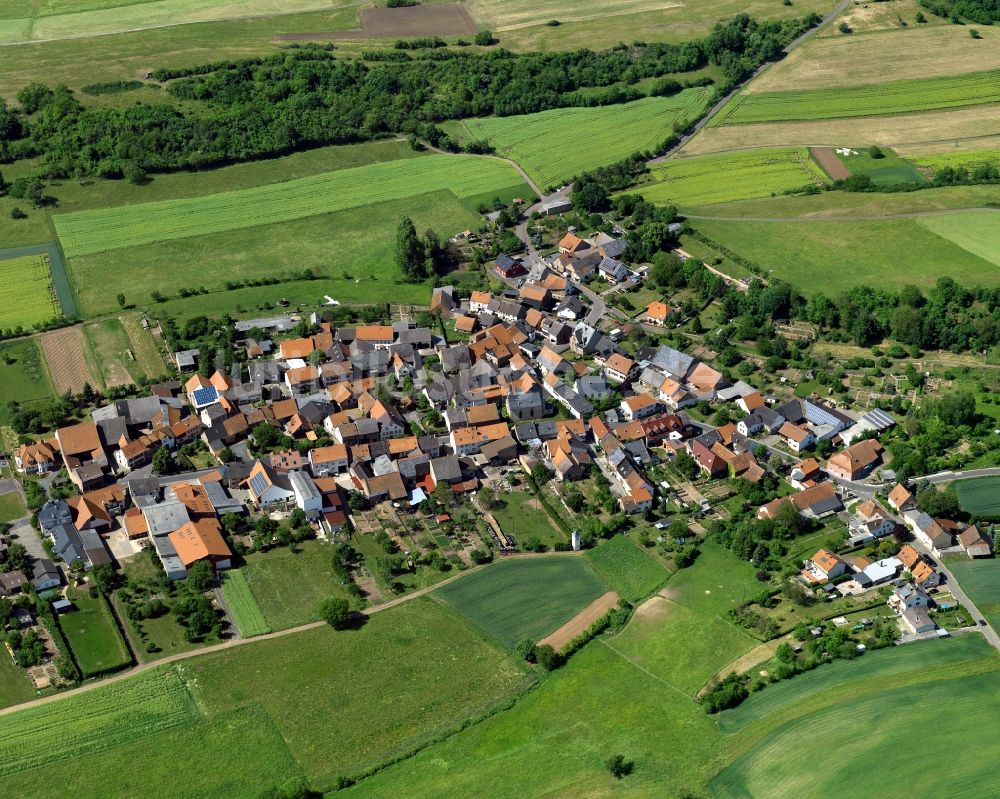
(647, 672)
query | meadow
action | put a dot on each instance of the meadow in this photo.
(93, 635)
(15, 687)
(522, 515)
(977, 232)
(515, 600)
(22, 375)
(11, 507)
(243, 608)
(880, 99)
(885, 171)
(26, 296)
(101, 230)
(631, 572)
(980, 579)
(554, 146)
(726, 177)
(286, 586)
(850, 254)
(980, 496)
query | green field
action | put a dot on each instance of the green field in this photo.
(244, 608)
(92, 634)
(11, 507)
(980, 496)
(523, 599)
(874, 735)
(288, 586)
(885, 171)
(970, 159)
(522, 514)
(632, 573)
(23, 377)
(880, 99)
(703, 180)
(852, 253)
(89, 232)
(15, 687)
(553, 146)
(26, 295)
(977, 232)
(980, 579)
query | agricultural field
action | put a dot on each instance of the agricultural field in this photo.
(525, 598)
(93, 634)
(630, 571)
(980, 579)
(885, 171)
(287, 586)
(149, 360)
(980, 496)
(977, 232)
(553, 146)
(23, 377)
(96, 231)
(521, 514)
(243, 608)
(26, 294)
(931, 162)
(705, 180)
(850, 254)
(15, 687)
(67, 354)
(107, 348)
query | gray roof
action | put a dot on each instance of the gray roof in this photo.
(165, 517)
(446, 468)
(303, 485)
(878, 419)
(672, 361)
(268, 323)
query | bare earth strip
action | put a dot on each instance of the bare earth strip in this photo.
(63, 351)
(876, 57)
(755, 656)
(581, 621)
(935, 126)
(832, 165)
(433, 20)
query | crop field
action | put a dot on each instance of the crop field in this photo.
(786, 762)
(26, 294)
(67, 357)
(99, 719)
(916, 52)
(244, 608)
(885, 171)
(852, 253)
(969, 159)
(980, 496)
(516, 600)
(630, 571)
(553, 146)
(881, 99)
(732, 176)
(980, 579)
(93, 635)
(88, 232)
(288, 587)
(977, 232)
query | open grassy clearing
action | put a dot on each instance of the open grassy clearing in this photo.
(109, 350)
(953, 126)
(721, 582)
(288, 586)
(433, 671)
(243, 608)
(980, 579)
(553, 146)
(149, 358)
(525, 598)
(852, 253)
(883, 16)
(15, 687)
(522, 515)
(732, 176)
(630, 571)
(904, 53)
(979, 496)
(11, 507)
(89, 232)
(786, 762)
(92, 634)
(885, 171)
(880, 99)
(22, 375)
(977, 232)
(353, 250)
(26, 294)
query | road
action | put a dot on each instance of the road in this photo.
(869, 489)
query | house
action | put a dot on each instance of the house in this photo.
(881, 571)
(37, 458)
(619, 368)
(12, 582)
(927, 531)
(917, 621)
(572, 244)
(328, 460)
(639, 406)
(814, 502)
(856, 461)
(901, 498)
(45, 575)
(709, 460)
(823, 567)
(201, 540)
(81, 444)
(612, 270)
(805, 474)
(908, 596)
(870, 522)
(921, 572)
(535, 296)
(508, 267)
(795, 437)
(307, 496)
(750, 402)
(658, 313)
(267, 487)
(975, 544)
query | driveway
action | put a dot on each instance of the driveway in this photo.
(22, 532)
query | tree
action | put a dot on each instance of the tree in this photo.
(875, 152)
(200, 575)
(104, 578)
(227, 455)
(619, 767)
(336, 612)
(485, 38)
(548, 658)
(163, 461)
(526, 650)
(411, 257)
(121, 300)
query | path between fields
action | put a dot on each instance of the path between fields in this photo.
(646, 671)
(859, 218)
(527, 178)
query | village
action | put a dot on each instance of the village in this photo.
(326, 431)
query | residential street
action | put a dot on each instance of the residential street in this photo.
(963, 598)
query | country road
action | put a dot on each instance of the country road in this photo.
(869, 489)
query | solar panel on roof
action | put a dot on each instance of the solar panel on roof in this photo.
(258, 484)
(203, 396)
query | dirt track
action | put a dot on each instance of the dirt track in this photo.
(384, 23)
(581, 621)
(828, 160)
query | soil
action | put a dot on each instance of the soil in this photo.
(63, 351)
(828, 160)
(385, 23)
(581, 621)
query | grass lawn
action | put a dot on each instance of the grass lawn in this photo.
(977, 233)
(721, 581)
(553, 146)
(347, 701)
(523, 515)
(883, 171)
(520, 599)
(632, 573)
(851, 253)
(289, 586)
(352, 249)
(980, 579)
(26, 294)
(92, 634)
(243, 608)
(24, 378)
(15, 687)
(11, 507)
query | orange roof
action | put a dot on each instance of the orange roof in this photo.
(195, 382)
(900, 495)
(398, 446)
(494, 432)
(135, 522)
(221, 381)
(285, 409)
(296, 348)
(465, 324)
(79, 438)
(639, 401)
(374, 333)
(531, 291)
(753, 401)
(199, 540)
(620, 363)
(825, 561)
(658, 310)
(704, 376)
(793, 431)
(303, 374)
(571, 242)
(908, 556)
(481, 297)
(336, 452)
(195, 498)
(481, 414)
